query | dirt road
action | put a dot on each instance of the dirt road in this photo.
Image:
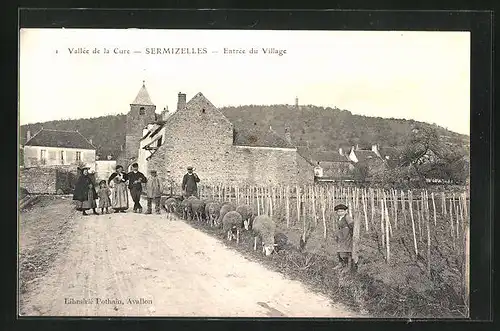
(145, 265)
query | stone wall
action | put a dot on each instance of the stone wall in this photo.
(45, 180)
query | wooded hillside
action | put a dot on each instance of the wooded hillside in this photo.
(323, 128)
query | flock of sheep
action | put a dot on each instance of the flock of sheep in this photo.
(231, 218)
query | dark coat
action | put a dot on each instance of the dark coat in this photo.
(82, 187)
(133, 177)
(344, 233)
(114, 174)
(189, 183)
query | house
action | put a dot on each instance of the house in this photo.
(329, 165)
(104, 167)
(48, 148)
(369, 157)
(198, 134)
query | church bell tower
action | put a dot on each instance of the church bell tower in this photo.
(142, 112)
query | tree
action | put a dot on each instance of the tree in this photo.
(360, 172)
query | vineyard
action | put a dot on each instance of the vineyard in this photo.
(414, 242)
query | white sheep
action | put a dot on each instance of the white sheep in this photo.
(223, 211)
(212, 211)
(232, 221)
(264, 228)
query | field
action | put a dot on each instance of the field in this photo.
(411, 246)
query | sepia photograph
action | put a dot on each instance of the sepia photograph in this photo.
(243, 173)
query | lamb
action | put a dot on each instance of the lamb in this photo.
(232, 221)
(223, 211)
(246, 213)
(171, 205)
(212, 211)
(187, 207)
(281, 241)
(198, 209)
(264, 227)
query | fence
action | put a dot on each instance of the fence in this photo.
(430, 227)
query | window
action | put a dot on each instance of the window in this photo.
(61, 156)
(43, 156)
(78, 156)
(141, 111)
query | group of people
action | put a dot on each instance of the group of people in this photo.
(113, 193)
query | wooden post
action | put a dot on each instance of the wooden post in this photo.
(456, 216)
(313, 202)
(258, 202)
(444, 203)
(451, 225)
(387, 236)
(410, 196)
(403, 206)
(382, 217)
(419, 221)
(287, 197)
(323, 210)
(372, 200)
(365, 209)
(434, 208)
(461, 205)
(428, 247)
(466, 266)
(298, 203)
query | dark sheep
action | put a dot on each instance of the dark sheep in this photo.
(212, 211)
(232, 222)
(198, 209)
(246, 213)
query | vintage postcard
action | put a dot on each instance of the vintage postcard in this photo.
(244, 173)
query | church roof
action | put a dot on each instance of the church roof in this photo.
(59, 138)
(142, 97)
(259, 137)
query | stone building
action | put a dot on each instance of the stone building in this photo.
(50, 148)
(142, 112)
(198, 134)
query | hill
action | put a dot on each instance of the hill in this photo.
(321, 128)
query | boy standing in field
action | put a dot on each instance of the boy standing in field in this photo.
(153, 191)
(343, 236)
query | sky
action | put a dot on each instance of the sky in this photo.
(423, 76)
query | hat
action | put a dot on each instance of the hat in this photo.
(189, 168)
(153, 171)
(340, 207)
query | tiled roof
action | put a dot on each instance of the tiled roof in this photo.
(366, 155)
(142, 97)
(59, 138)
(321, 156)
(259, 137)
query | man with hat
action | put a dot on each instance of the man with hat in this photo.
(189, 183)
(343, 236)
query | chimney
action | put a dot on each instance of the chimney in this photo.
(375, 150)
(341, 152)
(357, 147)
(181, 101)
(28, 135)
(90, 140)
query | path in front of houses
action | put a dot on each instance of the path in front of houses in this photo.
(147, 265)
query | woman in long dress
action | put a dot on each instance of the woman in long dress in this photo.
(85, 193)
(118, 181)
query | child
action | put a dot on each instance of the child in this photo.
(343, 236)
(104, 196)
(153, 190)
